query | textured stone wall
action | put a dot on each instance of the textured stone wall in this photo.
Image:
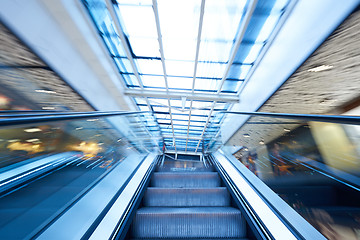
(30, 73)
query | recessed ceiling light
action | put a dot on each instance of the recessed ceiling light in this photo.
(286, 130)
(262, 142)
(48, 108)
(246, 135)
(93, 120)
(45, 91)
(320, 68)
(78, 128)
(32, 130)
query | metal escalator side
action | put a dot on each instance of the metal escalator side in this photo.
(267, 214)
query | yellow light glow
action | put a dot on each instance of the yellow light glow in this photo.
(28, 147)
(89, 149)
(32, 130)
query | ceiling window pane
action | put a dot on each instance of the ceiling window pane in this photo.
(159, 101)
(210, 70)
(232, 86)
(124, 65)
(180, 83)
(162, 116)
(145, 47)
(239, 71)
(152, 67)
(161, 109)
(130, 79)
(179, 117)
(136, 26)
(143, 108)
(200, 112)
(164, 121)
(215, 50)
(179, 49)
(140, 100)
(222, 18)
(207, 84)
(268, 27)
(179, 68)
(200, 104)
(153, 81)
(198, 118)
(253, 53)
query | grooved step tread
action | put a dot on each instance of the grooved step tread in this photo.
(193, 222)
(184, 166)
(188, 210)
(186, 197)
(185, 180)
(189, 238)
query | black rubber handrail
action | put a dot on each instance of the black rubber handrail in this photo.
(11, 120)
(40, 118)
(342, 119)
(55, 113)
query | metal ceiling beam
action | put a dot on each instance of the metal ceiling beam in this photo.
(183, 152)
(161, 48)
(239, 38)
(232, 98)
(201, 20)
(124, 42)
(182, 137)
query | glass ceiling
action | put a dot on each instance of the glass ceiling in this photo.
(183, 59)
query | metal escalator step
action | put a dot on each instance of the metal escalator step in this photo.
(185, 180)
(186, 197)
(184, 166)
(195, 222)
(189, 238)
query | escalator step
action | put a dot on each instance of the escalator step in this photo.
(194, 222)
(185, 180)
(184, 166)
(189, 238)
(186, 197)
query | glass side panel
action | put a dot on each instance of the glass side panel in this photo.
(46, 167)
(313, 166)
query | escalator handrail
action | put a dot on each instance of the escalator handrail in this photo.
(39, 118)
(32, 117)
(354, 120)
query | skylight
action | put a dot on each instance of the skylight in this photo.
(191, 42)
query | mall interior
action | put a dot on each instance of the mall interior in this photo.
(179, 119)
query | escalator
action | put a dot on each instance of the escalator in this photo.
(142, 198)
(187, 199)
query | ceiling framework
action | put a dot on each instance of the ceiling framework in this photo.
(311, 92)
(185, 62)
